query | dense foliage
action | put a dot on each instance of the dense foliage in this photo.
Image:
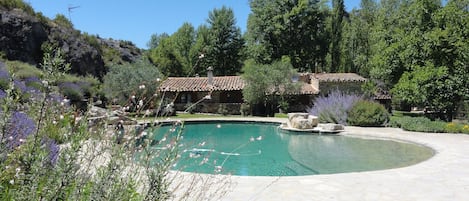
(367, 113)
(49, 151)
(121, 82)
(420, 124)
(268, 84)
(188, 52)
(287, 28)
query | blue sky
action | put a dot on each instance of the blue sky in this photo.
(137, 20)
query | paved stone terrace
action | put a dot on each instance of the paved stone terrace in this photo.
(445, 176)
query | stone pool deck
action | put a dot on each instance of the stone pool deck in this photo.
(445, 176)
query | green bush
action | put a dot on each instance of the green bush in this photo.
(245, 109)
(12, 4)
(419, 124)
(140, 79)
(61, 20)
(23, 70)
(367, 113)
(223, 110)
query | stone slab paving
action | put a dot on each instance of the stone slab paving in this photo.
(445, 176)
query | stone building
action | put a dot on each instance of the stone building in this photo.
(207, 94)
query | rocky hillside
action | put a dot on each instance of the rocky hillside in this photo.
(23, 32)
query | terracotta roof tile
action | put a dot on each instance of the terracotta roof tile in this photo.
(226, 83)
(338, 77)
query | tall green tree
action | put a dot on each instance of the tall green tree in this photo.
(336, 34)
(356, 38)
(199, 50)
(267, 84)
(184, 39)
(155, 40)
(427, 57)
(293, 28)
(225, 43)
(172, 54)
(166, 59)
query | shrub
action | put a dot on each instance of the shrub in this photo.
(4, 78)
(71, 90)
(419, 124)
(23, 70)
(283, 106)
(367, 113)
(61, 20)
(245, 109)
(465, 129)
(222, 109)
(333, 108)
(121, 82)
(453, 128)
(12, 4)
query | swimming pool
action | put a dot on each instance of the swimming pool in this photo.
(261, 149)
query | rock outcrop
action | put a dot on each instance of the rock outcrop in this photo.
(23, 34)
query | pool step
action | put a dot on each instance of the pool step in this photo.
(300, 169)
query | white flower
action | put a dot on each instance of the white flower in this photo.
(141, 86)
(61, 117)
(158, 79)
(140, 103)
(54, 122)
(18, 169)
(45, 83)
(132, 97)
(218, 169)
(12, 182)
(21, 140)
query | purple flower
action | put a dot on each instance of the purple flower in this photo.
(4, 74)
(4, 78)
(30, 80)
(3, 94)
(53, 150)
(70, 86)
(19, 127)
(334, 107)
(20, 85)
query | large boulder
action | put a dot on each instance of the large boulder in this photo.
(302, 121)
(21, 36)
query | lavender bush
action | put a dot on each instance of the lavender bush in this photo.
(19, 127)
(333, 107)
(48, 151)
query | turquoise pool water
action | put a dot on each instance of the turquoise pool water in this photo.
(261, 149)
